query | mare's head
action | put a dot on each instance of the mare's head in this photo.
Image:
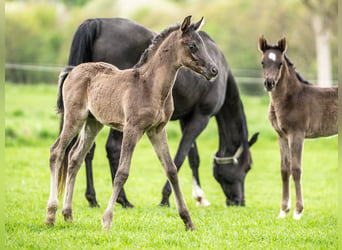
(272, 61)
(231, 172)
(192, 51)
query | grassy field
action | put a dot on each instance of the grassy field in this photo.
(32, 126)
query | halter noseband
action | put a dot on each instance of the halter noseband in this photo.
(228, 160)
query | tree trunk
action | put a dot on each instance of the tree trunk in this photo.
(322, 36)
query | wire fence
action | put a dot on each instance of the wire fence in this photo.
(250, 80)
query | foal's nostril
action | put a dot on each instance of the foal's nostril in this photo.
(214, 71)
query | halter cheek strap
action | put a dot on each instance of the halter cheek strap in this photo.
(228, 160)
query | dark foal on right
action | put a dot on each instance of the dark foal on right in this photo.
(298, 110)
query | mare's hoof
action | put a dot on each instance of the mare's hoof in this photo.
(164, 203)
(202, 203)
(124, 203)
(92, 200)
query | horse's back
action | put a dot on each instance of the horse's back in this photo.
(121, 42)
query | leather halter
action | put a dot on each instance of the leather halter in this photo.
(228, 160)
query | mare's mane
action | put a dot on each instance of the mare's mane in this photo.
(157, 40)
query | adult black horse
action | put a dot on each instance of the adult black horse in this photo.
(121, 42)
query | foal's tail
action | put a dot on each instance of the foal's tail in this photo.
(60, 110)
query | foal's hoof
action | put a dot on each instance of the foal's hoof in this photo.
(297, 215)
(67, 213)
(283, 214)
(190, 227)
(107, 219)
(50, 221)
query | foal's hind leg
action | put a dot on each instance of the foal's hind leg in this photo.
(130, 138)
(70, 128)
(285, 176)
(84, 143)
(160, 145)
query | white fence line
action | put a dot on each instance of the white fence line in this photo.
(244, 76)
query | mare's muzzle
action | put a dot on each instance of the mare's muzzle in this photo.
(269, 84)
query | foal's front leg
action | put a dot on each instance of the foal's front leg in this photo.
(296, 141)
(131, 137)
(285, 169)
(160, 145)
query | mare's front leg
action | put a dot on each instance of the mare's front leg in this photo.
(197, 192)
(159, 141)
(113, 148)
(191, 128)
(90, 193)
(131, 136)
(285, 169)
(296, 141)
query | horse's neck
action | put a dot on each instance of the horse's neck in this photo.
(161, 68)
(230, 121)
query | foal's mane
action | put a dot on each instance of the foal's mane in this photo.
(157, 40)
(299, 77)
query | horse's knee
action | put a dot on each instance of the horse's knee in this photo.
(121, 177)
(296, 173)
(285, 174)
(171, 173)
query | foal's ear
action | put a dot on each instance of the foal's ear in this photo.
(199, 24)
(262, 44)
(186, 23)
(282, 44)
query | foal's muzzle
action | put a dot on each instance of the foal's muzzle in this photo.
(211, 72)
(269, 84)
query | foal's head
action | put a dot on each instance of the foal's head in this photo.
(192, 52)
(272, 61)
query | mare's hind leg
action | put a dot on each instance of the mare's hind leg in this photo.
(84, 143)
(285, 176)
(113, 148)
(296, 141)
(160, 145)
(57, 151)
(90, 193)
(130, 138)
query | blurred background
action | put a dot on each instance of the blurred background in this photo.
(39, 33)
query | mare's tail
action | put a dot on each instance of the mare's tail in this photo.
(81, 50)
(60, 110)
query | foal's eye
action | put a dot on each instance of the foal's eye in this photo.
(193, 47)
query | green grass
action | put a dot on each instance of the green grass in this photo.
(32, 126)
